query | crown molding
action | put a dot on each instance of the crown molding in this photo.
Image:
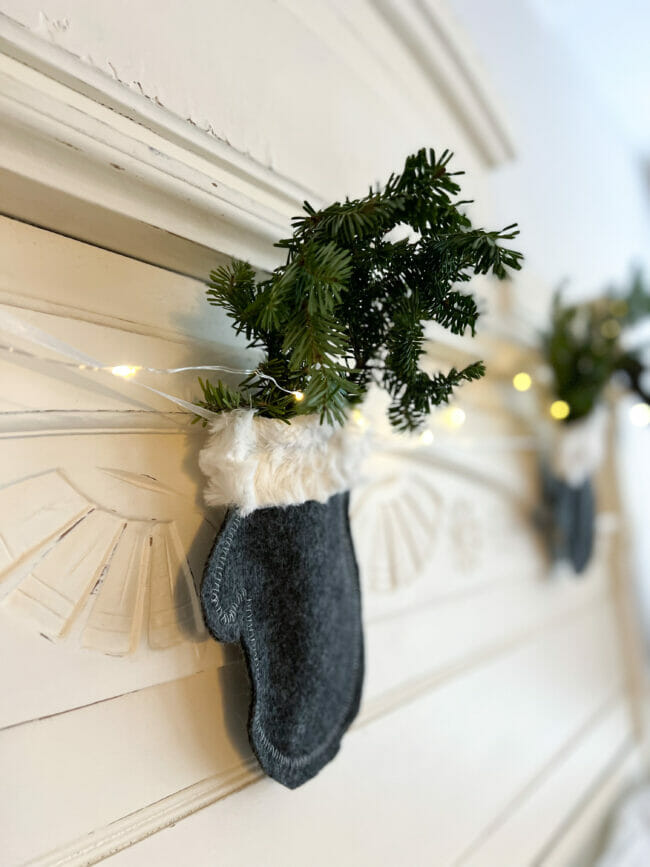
(415, 49)
(446, 59)
(87, 157)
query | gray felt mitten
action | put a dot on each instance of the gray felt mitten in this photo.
(568, 502)
(568, 520)
(282, 580)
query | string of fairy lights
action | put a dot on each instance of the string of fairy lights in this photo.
(638, 413)
(452, 417)
(74, 358)
(128, 371)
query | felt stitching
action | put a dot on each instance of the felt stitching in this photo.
(297, 761)
(251, 634)
(227, 617)
(291, 761)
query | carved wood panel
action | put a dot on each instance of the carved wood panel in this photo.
(92, 575)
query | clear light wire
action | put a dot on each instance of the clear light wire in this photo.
(80, 361)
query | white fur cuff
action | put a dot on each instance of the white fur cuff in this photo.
(580, 447)
(253, 462)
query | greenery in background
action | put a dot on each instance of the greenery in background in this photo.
(584, 347)
(349, 305)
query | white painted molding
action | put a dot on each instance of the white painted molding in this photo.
(104, 842)
(579, 841)
(598, 741)
(104, 581)
(87, 157)
(404, 47)
(445, 57)
(90, 158)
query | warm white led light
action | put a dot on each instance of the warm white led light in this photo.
(610, 329)
(522, 381)
(559, 409)
(454, 417)
(426, 437)
(359, 419)
(298, 395)
(640, 414)
(124, 370)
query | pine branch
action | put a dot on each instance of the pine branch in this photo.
(349, 304)
(583, 346)
(218, 398)
(413, 404)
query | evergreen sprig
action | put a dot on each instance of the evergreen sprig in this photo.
(584, 349)
(348, 306)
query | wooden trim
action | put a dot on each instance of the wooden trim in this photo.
(610, 716)
(578, 841)
(131, 829)
(445, 58)
(412, 690)
(103, 843)
(408, 47)
(87, 157)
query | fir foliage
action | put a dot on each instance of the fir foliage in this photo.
(584, 349)
(348, 307)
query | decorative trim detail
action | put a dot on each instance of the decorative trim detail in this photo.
(104, 842)
(87, 157)
(401, 511)
(440, 50)
(90, 158)
(82, 573)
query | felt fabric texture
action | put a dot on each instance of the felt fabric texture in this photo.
(284, 582)
(568, 519)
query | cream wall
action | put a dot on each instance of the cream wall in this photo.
(578, 186)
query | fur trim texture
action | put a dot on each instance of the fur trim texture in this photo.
(580, 447)
(253, 462)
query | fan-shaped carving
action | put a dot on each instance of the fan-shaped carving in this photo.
(81, 572)
(395, 516)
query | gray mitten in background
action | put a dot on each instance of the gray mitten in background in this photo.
(568, 516)
(568, 520)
